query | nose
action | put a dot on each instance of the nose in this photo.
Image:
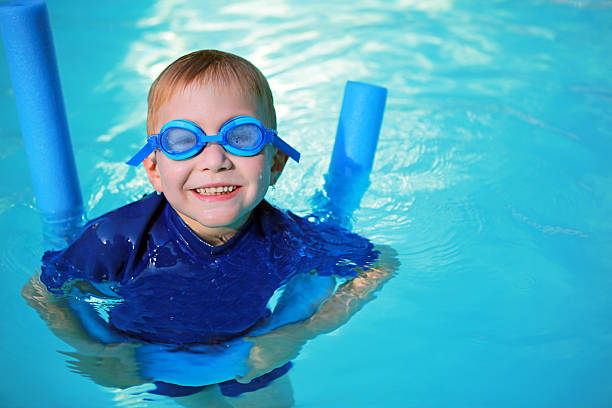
(213, 158)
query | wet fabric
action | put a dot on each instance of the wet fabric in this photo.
(156, 281)
(175, 288)
(231, 388)
(172, 287)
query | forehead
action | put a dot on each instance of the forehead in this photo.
(205, 91)
(206, 104)
(210, 82)
(177, 83)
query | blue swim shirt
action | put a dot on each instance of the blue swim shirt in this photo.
(172, 287)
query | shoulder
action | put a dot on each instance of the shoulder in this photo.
(126, 222)
(325, 247)
(308, 229)
(105, 246)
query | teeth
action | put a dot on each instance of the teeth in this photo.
(216, 190)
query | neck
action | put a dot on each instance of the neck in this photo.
(215, 236)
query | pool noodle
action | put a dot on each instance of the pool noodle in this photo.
(359, 125)
(361, 116)
(36, 85)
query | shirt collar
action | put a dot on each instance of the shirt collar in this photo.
(196, 244)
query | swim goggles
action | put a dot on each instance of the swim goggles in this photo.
(241, 136)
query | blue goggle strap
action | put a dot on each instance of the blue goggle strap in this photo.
(284, 147)
(150, 147)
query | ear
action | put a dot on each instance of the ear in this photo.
(152, 169)
(278, 164)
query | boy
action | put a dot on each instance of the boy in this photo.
(200, 262)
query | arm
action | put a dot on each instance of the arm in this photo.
(114, 360)
(301, 298)
(275, 348)
(110, 365)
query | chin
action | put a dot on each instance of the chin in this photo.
(223, 219)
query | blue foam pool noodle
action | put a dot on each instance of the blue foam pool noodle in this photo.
(30, 55)
(359, 125)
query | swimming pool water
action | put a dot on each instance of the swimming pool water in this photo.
(492, 181)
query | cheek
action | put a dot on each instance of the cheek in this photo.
(172, 176)
(263, 171)
(268, 161)
(255, 171)
(264, 180)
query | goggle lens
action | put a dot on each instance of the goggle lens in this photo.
(177, 140)
(246, 136)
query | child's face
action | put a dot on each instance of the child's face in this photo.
(214, 192)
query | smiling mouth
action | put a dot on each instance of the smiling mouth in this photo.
(215, 191)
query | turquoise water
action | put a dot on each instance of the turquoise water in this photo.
(492, 181)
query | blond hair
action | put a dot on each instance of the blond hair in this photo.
(215, 68)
